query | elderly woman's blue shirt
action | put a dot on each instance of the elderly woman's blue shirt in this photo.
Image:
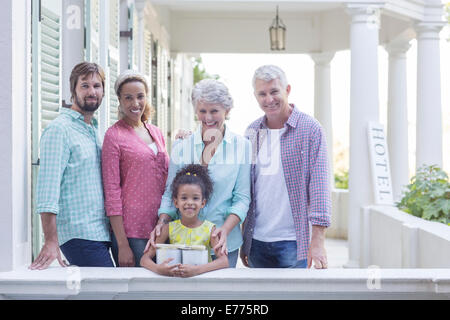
(229, 169)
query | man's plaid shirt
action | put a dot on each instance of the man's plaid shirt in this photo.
(306, 171)
(69, 182)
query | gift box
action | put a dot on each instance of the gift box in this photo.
(194, 255)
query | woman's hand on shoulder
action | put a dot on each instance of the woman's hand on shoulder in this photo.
(183, 134)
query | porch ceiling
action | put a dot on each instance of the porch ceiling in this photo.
(246, 6)
(242, 26)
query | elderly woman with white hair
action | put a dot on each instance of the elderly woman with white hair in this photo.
(227, 157)
(134, 168)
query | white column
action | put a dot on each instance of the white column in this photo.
(72, 37)
(15, 134)
(397, 129)
(363, 108)
(322, 100)
(429, 113)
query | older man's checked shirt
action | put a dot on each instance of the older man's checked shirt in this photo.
(306, 171)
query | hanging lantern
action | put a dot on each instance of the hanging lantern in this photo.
(277, 33)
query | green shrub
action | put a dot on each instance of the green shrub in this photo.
(341, 180)
(428, 195)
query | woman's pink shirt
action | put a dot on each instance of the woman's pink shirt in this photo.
(134, 177)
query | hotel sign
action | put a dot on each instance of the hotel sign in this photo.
(379, 160)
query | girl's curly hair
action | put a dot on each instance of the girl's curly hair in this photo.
(193, 174)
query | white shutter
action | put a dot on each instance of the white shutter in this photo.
(114, 102)
(114, 23)
(170, 108)
(50, 66)
(162, 83)
(147, 53)
(46, 94)
(154, 77)
(159, 107)
(92, 53)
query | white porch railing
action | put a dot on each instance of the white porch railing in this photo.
(390, 239)
(232, 284)
(339, 214)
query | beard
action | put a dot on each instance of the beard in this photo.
(88, 107)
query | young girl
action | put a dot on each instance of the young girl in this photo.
(191, 189)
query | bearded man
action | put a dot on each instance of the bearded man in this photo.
(69, 193)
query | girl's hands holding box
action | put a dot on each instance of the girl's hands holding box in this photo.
(187, 270)
(167, 270)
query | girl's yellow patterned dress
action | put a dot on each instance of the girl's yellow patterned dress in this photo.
(179, 234)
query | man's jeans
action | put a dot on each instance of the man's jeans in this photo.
(278, 254)
(87, 253)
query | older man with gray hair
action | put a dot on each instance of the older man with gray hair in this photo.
(290, 188)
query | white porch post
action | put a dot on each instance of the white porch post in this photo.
(429, 113)
(15, 134)
(322, 100)
(397, 129)
(363, 108)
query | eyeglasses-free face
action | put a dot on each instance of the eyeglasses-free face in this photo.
(133, 100)
(272, 97)
(212, 116)
(189, 201)
(88, 93)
